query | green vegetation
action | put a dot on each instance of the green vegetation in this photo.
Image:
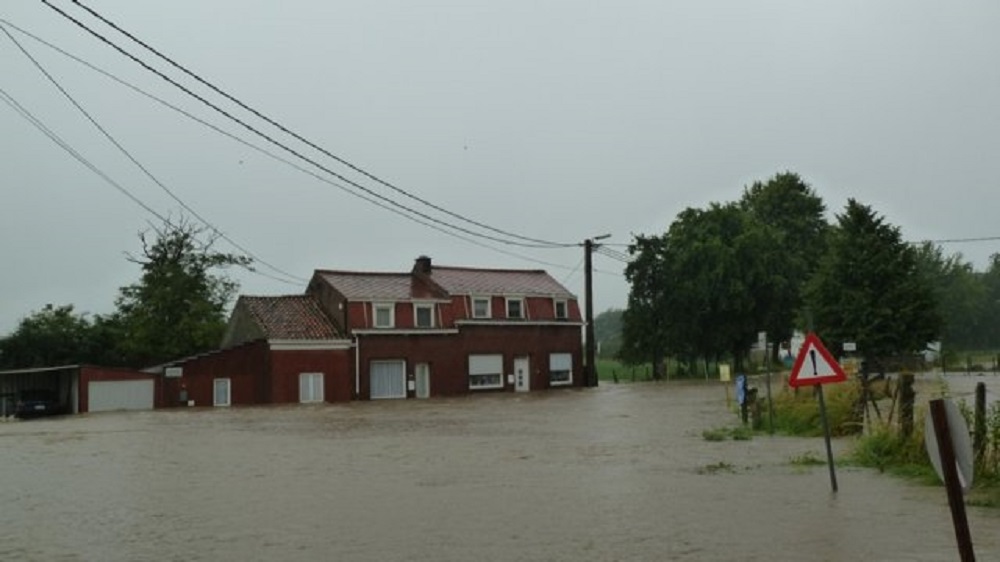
(176, 308)
(808, 458)
(797, 412)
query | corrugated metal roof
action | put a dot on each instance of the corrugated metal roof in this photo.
(374, 286)
(464, 280)
(297, 317)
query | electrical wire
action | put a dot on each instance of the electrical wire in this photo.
(54, 137)
(59, 141)
(144, 169)
(272, 155)
(268, 138)
(298, 137)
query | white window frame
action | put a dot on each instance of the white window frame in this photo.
(565, 309)
(215, 392)
(519, 300)
(391, 307)
(485, 366)
(417, 307)
(489, 307)
(316, 397)
(561, 363)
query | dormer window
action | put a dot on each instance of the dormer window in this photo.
(481, 307)
(385, 314)
(423, 315)
(515, 308)
(561, 309)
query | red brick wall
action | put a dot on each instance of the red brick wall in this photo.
(448, 354)
(286, 366)
(89, 373)
(246, 366)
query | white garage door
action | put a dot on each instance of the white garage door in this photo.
(106, 396)
(388, 379)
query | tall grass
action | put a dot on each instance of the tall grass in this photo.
(797, 412)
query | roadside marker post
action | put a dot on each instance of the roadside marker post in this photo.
(946, 437)
(815, 366)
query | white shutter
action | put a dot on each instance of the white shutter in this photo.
(560, 362)
(485, 364)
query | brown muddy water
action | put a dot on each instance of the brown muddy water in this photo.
(615, 473)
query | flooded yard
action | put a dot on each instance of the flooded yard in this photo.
(615, 473)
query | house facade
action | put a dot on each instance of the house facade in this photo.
(430, 331)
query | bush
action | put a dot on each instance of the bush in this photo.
(797, 413)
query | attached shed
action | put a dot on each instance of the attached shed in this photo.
(277, 350)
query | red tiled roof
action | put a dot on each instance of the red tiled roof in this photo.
(463, 281)
(297, 317)
(373, 286)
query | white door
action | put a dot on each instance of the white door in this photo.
(522, 374)
(310, 387)
(108, 396)
(423, 376)
(388, 379)
(220, 392)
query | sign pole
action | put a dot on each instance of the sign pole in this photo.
(951, 482)
(826, 425)
(817, 354)
(826, 437)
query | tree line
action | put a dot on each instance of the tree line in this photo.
(771, 262)
(177, 308)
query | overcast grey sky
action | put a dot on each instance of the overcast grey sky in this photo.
(555, 120)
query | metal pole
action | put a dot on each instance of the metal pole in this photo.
(826, 436)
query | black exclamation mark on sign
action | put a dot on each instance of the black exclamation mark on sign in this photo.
(812, 355)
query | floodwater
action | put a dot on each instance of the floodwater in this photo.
(615, 473)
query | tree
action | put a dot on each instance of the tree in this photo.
(795, 212)
(178, 306)
(869, 289)
(961, 296)
(701, 290)
(55, 335)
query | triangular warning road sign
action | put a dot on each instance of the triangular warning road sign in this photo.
(815, 365)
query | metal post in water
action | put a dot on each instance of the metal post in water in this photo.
(826, 425)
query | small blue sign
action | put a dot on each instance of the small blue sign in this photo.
(741, 389)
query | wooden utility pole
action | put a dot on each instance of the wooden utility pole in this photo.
(590, 350)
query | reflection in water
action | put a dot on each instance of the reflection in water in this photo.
(617, 473)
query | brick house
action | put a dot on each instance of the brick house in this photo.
(432, 331)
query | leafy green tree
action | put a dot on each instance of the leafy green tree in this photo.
(961, 296)
(178, 306)
(643, 325)
(796, 214)
(52, 336)
(701, 290)
(869, 289)
(991, 304)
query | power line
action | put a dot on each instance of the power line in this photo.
(59, 141)
(532, 243)
(278, 158)
(145, 170)
(959, 240)
(54, 137)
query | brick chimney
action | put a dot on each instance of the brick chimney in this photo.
(422, 265)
